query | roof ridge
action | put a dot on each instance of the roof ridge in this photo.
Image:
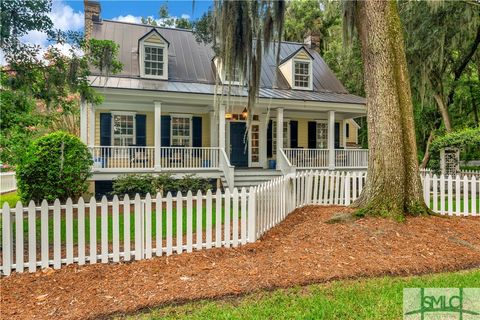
(146, 25)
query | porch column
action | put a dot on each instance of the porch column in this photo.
(83, 121)
(279, 132)
(221, 126)
(158, 133)
(213, 130)
(91, 125)
(331, 140)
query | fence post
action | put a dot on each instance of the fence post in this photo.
(252, 215)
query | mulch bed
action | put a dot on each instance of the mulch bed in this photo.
(302, 250)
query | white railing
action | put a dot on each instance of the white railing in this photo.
(351, 158)
(189, 158)
(284, 164)
(8, 182)
(227, 168)
(117, 157)
(307, 158)
(139, 229)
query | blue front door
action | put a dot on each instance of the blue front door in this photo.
(238, 151)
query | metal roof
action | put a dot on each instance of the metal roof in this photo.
(191, 69)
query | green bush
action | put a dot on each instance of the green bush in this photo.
(54, 166)
(142, 184)
(132, 184)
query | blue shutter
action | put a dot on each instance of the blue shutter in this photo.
(141, 130)
(165, 131)
(105, 129)
(269, 139)
(293, 134)
(312, 135)
(196, 131)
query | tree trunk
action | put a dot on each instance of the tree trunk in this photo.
(393, 186)
(442, 107)
(426, 156)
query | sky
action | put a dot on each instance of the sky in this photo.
(68, 15)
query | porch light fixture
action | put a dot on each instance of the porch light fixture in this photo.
(228, 116)
(244, 113)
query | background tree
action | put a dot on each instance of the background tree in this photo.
(166, 20)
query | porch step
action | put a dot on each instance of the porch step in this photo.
(252, 177)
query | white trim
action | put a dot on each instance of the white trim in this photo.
(123, 113)
(310, 74)
(142, 45)
(185, 116)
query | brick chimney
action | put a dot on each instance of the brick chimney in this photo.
(92, 14)
(312, 41)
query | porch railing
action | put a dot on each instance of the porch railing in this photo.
(318, 158)
(307, 158)
(117, 157)
(189, 158)
(351, 158)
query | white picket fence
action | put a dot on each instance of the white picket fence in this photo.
(8, 182)
(140, 228)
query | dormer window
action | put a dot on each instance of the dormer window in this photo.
(302, 74)
(153, 56)
(232, 79)
(154, 62)
(297, 68)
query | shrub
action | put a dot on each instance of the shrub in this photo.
(132, 184)
(54, 166)
(146, 183)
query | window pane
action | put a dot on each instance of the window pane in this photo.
(302, 76)
(181, 131)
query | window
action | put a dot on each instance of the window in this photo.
(154, 60)
(322, 135)
(181, 131)
(286, 136)
(123, 127)
(301, 75)
(347, 130)
(233, 78)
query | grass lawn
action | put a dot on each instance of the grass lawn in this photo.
(10, 197)
(378, 298)
(454, 205)
(121, 225)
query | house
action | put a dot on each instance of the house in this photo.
(168, 111)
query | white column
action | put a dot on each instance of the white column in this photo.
(331, 140)
(213, 130)
(262, 131)
(279, 131)
(221, 126)
(83, 121)
(158, 134)
(91, 125)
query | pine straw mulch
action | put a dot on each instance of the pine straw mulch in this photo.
(302, 250)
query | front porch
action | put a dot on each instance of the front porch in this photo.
(140, 134)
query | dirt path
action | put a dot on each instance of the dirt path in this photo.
(303, 249)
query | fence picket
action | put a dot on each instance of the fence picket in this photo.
(235, 217)
(44, 234)
(218, 219)
(57, 258)
(148, 226)
(465, 196)
(457, 195)
(169, 214)
(435, 193)
(227, 214)
(19, 237)
(126, 228)
(32, 238)
(243, 216)
(189, 221)
(199, 217)
(138, 214)
(6, 239)
(115, 229)
(179, 213)
(93, 230)
(208, 213)
(158, 224)
(104, 229)
(474, 196)
(69, 230)
(450, 195)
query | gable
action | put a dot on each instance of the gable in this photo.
(287, 67)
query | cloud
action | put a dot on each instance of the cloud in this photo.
(128, 18)
(185, 16)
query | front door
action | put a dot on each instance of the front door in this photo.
(337, 136)
(238, 150)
